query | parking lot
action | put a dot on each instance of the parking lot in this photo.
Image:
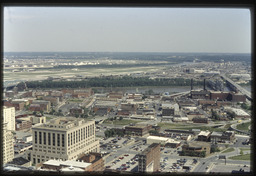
(125, 162)
(222, 168)
(123, 153)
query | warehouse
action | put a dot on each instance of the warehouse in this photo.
(163, 141)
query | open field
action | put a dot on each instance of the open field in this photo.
(245, 149)
(89, 72)
(188, 127)
(231, 149)
(75, 100)
(121, 122)
(243, 126)
(241, 157)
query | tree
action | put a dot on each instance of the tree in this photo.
(215, 115)
(244, 106)
(120, 118)
(153, 132)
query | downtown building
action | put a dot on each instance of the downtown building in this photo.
(63, 138)
(7, 148)
(149, 159)
(9, 118)
(7, 129)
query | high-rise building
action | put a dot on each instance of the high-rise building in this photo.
(149, 159)
(63, 138)
(8, 148)
(9, 117)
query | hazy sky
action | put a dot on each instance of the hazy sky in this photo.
(127, 29)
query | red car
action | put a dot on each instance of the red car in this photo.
(123, 164)
(126, 155)
(121, 157)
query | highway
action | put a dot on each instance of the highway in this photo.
(241, 89)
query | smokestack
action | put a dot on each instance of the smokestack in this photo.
(192, 84)
(204, 84)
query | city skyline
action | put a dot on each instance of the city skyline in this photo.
(106, 29)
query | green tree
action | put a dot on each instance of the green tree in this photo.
(244, 106)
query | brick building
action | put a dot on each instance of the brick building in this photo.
(204, 136)
(96, 160)
(196, 148)
(138, 130)
(149, 159)
(200, 120)
(22, 124)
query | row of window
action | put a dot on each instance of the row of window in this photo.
(51, 139)
(81, 134)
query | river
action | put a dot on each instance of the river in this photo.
(155, 89)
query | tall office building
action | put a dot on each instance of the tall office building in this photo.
(149, 159)
(8, 148)
(9, 117)
(63, 138)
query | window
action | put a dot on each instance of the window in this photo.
(49, 138)
(76, 136)
(44, 138)
(68, 139)
(71, 139)
(40, 138)
(63, 140)
(53, 139)
(58, 139)
(84, 132)
(35, 137)
(79, 131)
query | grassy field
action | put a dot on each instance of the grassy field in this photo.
(241, 157)
(121, 122)
(188, 127)
(43, 74)
(75, 100)
(243, 126)
(244, 149)
(231, 149)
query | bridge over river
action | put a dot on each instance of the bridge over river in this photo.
(237, 87)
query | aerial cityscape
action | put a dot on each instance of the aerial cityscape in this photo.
(120, 111)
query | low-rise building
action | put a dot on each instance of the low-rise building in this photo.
(163, 141)
(204, 136)
(138, 130)
(196, 148)
(200, 120)
(68, 165)
(194, 114)
(23, 124)
(43, 105)
(222, 137)
(96, 160)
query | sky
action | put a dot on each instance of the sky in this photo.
(113, 29)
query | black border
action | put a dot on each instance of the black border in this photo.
(248, 4)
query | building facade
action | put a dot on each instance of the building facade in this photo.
(9, 117)
(8, 148)
(149, 159)
(63, 138)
